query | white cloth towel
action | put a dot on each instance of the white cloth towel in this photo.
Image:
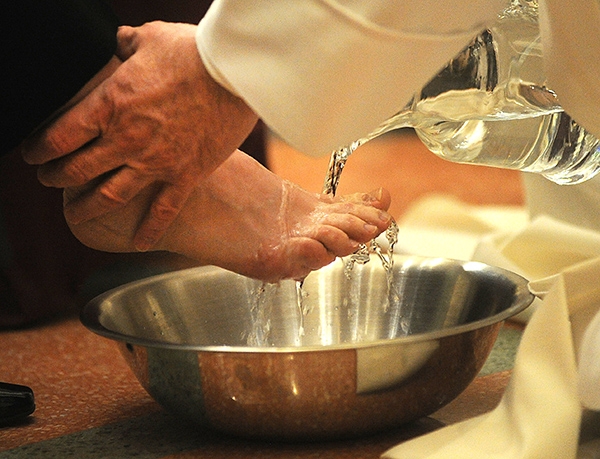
(540, 413)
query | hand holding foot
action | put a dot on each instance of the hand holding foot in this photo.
(248, 220)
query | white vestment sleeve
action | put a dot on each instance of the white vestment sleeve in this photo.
(571, 43)
(322, 73)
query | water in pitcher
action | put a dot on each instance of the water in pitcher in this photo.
(515, 135)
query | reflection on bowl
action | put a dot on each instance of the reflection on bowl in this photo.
(349, 356)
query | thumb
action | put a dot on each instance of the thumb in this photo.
(126, 42)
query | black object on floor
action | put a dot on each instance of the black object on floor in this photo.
(16, 403)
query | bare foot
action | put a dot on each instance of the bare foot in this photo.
(246, 219)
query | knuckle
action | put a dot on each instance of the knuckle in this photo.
(57, 142)
(112, 195)
(163, 211)
(77, 172)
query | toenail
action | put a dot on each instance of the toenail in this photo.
(384, 216)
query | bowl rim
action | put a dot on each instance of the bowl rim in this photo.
(90, 316)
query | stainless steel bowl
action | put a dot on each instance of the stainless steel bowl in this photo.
(350, 356)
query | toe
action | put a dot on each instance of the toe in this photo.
(336, 241)
(379, 198)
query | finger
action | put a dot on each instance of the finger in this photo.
(106, 71)
(75, 128)
(126, 43)
(114, 192)
(163, 211)
(82, 166)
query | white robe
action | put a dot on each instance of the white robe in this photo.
(322, 73)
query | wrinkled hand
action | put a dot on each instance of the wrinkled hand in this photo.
(159, 118)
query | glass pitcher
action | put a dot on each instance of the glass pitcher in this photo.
(490, 105)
